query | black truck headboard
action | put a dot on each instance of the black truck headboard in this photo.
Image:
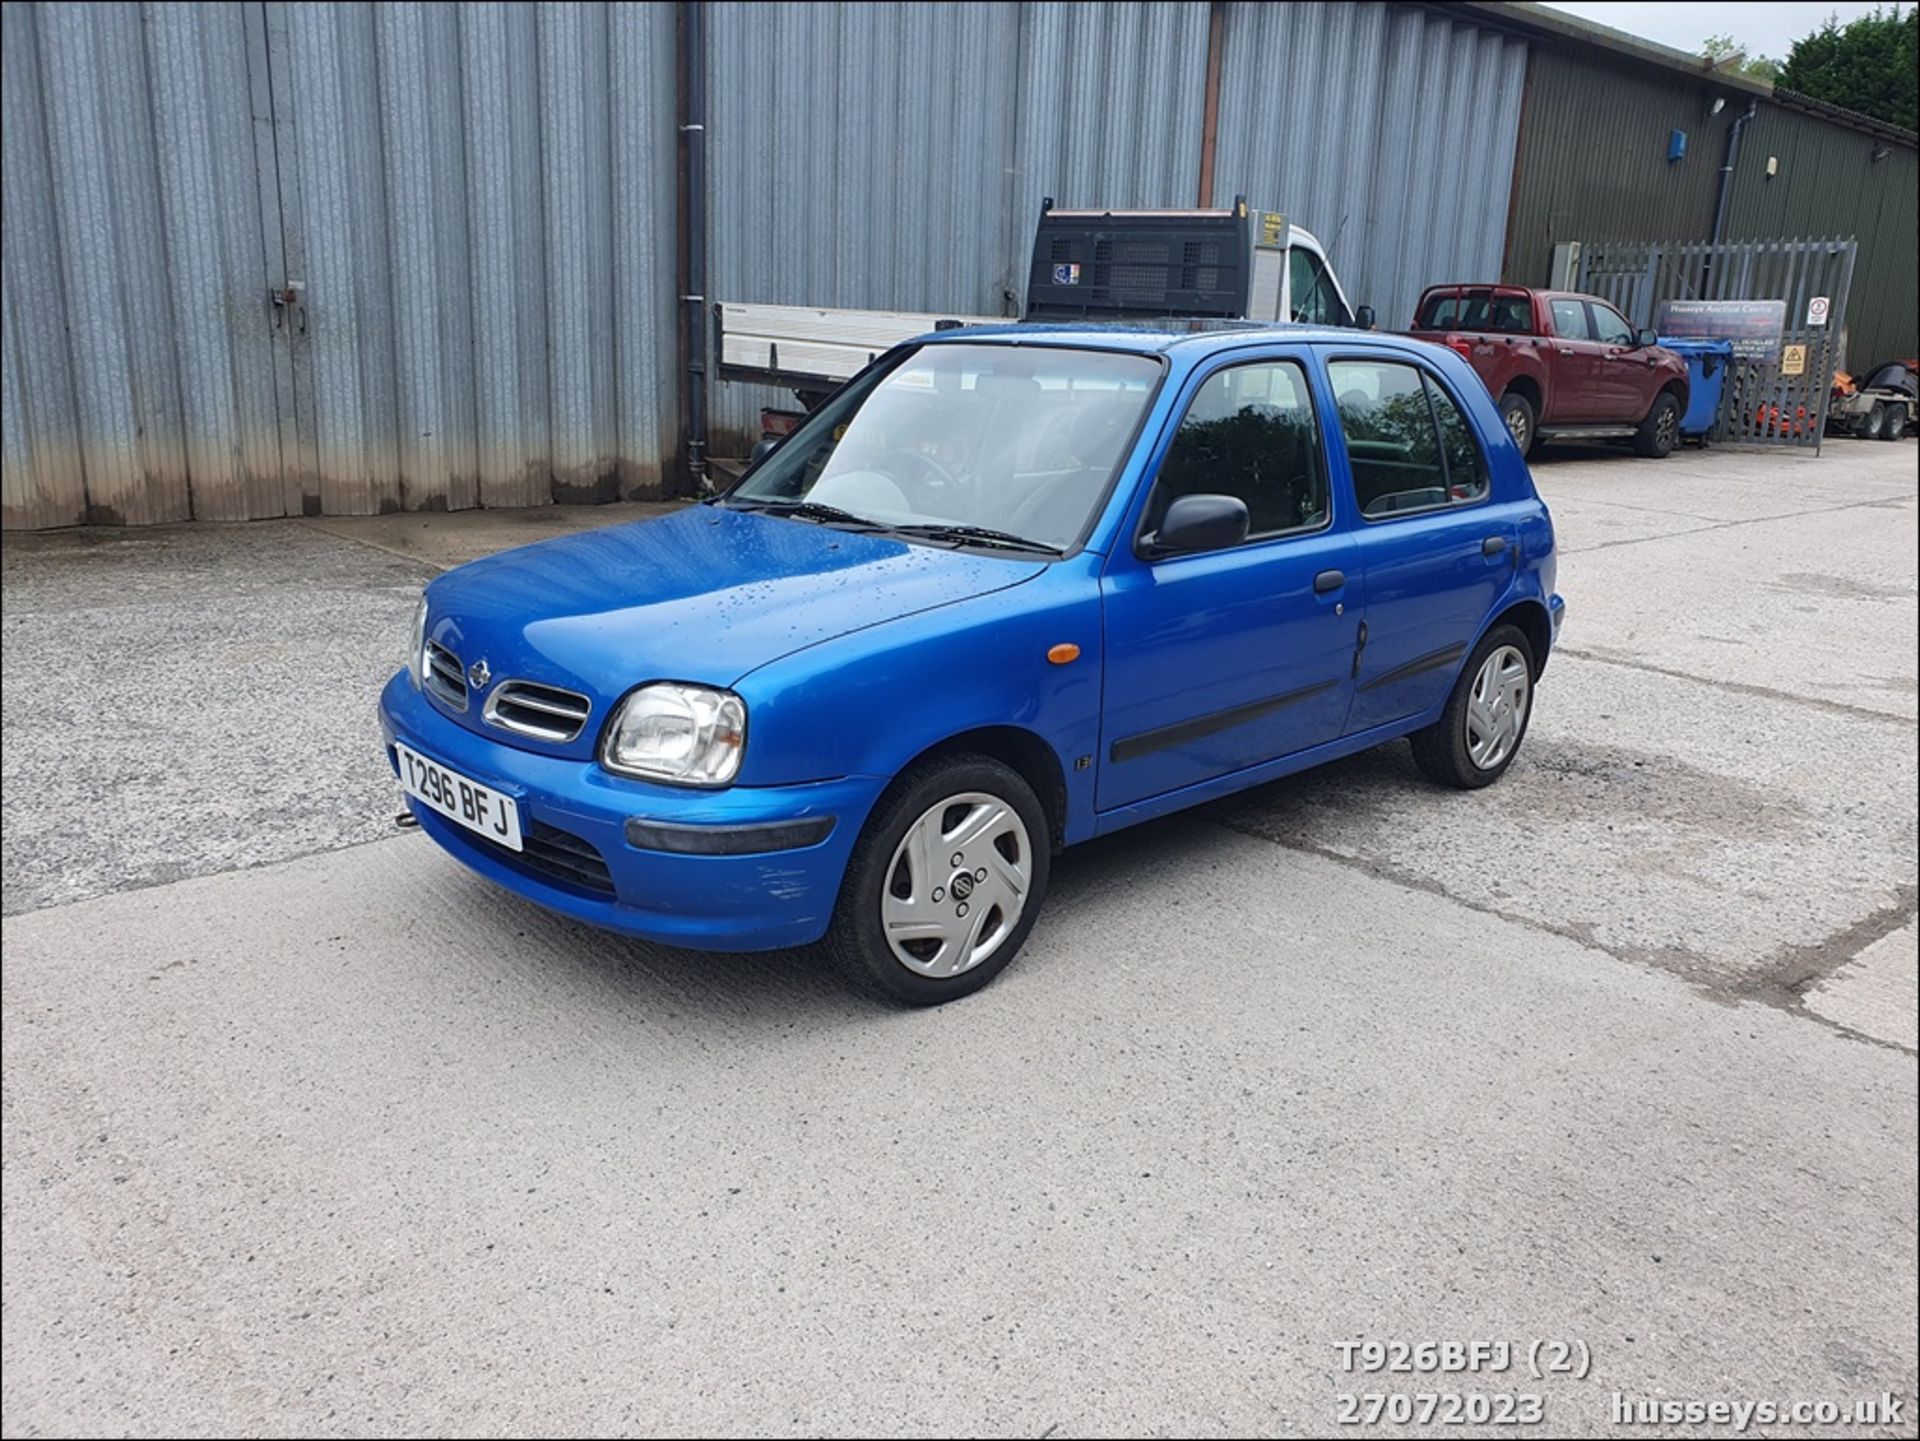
(1138, 264)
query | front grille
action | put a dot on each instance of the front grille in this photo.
(544, 712)
(554, 855)
(444, 675)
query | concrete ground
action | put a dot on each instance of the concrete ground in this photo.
(307, 1129)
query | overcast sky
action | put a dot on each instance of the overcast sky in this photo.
(1768, 29)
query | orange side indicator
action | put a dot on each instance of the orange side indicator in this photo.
(1063, 653)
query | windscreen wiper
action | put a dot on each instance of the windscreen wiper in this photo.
(977, 535)
(807, 510)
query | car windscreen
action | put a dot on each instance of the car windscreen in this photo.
(1019, 439)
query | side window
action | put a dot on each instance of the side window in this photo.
(1408, 445)
(1312, 299)
(1250, 433)
(1569, 319)
(1609, 328)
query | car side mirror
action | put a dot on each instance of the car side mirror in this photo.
(761, 451)
(1200, 522)
(1364, 317)
(1644, 338)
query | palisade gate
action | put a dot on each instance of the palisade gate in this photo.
(1778, 399)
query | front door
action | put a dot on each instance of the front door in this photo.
(1223, 660)
(1625, 372)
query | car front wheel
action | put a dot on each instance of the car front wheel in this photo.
(944, 883)
(1485, 718)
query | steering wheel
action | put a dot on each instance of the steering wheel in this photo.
(934, 475)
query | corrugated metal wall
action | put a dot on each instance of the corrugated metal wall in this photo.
(1827, 182)
(477, 201)
(1386, 130)
(894, 157)
(1593, 159)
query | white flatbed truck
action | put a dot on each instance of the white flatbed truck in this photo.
(1090, 265)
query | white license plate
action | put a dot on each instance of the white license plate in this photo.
(480, 809)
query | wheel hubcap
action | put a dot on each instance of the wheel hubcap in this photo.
(957, 885)
(1669, 428)
(1497, 707)
(1517, 427)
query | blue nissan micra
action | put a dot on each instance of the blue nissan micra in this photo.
(1007, 590)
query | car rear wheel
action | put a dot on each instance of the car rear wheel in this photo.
(1517, 411)
(1875, 425)
(1659, 433)
(1895, 425)
(944, 883)
(1485, 719)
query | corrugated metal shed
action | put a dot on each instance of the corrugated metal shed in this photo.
(1827, 181)
(468, 211)
(473, 203)
(1593, 167)
(1386, 130)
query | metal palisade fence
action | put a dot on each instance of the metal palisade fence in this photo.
(1779, 398)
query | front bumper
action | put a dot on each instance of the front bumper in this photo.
(700, 888)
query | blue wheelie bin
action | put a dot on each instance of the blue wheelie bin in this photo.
(1707, 362)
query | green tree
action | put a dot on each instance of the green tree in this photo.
(1871, 65)
(1726, 53)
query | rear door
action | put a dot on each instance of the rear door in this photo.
(1435, 554)
(1575, 364)
(1222, 660)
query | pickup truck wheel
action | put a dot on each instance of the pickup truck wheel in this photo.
(944, 882)
(1659, 433)
(1485, 719)
(1517, 412)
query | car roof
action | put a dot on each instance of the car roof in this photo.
(1192, 338)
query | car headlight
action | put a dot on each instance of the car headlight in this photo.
(417, 643)
(688, 735)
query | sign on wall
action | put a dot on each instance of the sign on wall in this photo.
(1754, 326)
(1817, 311)
(1793, 360)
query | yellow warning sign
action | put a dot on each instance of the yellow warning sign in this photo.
(1273, 228)
(1793, 360)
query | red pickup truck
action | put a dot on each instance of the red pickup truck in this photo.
(1562, 366)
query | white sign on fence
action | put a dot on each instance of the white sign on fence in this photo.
(1817, 310)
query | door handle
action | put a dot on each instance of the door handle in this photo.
(1566, 350)
(1328, 580)
(1493, 545)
